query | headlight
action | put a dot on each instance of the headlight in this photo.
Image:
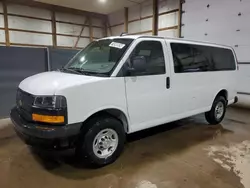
(50, 102)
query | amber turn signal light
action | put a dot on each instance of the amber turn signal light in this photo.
(47, 119)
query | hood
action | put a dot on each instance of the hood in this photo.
(48, 83)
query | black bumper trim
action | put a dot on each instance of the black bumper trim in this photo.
(38, 134)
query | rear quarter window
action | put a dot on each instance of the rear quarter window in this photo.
(199, 58)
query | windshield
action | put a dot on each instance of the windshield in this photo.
(100, 57)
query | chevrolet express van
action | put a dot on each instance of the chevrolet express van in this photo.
(120, 85)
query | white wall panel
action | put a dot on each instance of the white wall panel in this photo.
(70, 18)
(146, 24)
(195, 5)
(140, 10)
(28, 11)
(1, 21)
(83, 42)
(30, 38)
(66, 41)
(243, 54)
(134, 27)
(97, 22)
(1, 7)
(243, 84)
(116, 17)
(167, 5)
(218, 23)
(116, 31)
(244, 74)
(29, 24)
(168, 33)
(2, 36)
(168, 20)
(145, 9)
(70, 29)
(138, 26)
(98, 32)
(71, 41)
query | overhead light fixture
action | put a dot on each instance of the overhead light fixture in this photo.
(102, 1)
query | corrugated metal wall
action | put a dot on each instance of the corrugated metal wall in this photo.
(223, 22)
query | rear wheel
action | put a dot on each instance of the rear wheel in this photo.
(217, 112)
(102, 143)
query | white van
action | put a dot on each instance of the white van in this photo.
(120, 85)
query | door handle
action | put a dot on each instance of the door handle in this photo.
(168, 82)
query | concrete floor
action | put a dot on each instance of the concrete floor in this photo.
(187, 153)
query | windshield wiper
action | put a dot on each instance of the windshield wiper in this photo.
(71, 70)
(89, 73)
(83, 72)
(95, 73)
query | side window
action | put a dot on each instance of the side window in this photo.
(222, 59)
(183, 57)
(190, 58)
(201, 58)
(153, 53)
(198, 58)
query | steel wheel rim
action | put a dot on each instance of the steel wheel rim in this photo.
(219, 110)
(105, 143)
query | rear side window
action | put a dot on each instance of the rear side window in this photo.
(222, 59)
(197, 58)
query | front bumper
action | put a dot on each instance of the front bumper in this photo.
(45, 136)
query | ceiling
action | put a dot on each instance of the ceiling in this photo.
(98, 6)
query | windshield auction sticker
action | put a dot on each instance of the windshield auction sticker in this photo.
(117, 45)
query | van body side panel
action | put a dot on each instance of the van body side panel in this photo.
(85, 100)
(194, 92)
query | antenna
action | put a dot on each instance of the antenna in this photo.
(123, 34)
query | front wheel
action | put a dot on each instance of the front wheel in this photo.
(103, 142)
(217, 112)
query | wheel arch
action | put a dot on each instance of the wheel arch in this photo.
(113, 112)
(223, 93)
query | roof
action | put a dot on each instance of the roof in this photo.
(170, 40)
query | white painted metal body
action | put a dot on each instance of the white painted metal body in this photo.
(144, 100)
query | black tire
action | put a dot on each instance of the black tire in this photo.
(211, 115)
(84, 149)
